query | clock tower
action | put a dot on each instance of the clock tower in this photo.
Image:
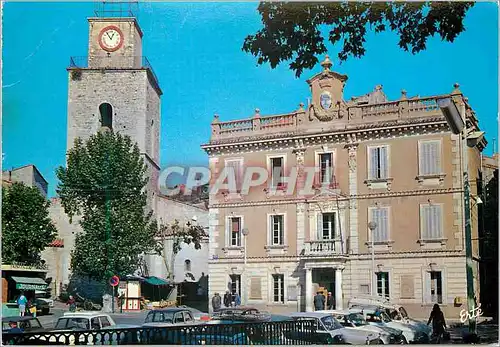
(115, 88)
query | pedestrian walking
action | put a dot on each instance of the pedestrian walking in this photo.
(237, 300)
(330, 302)
(21, 303)
(216, 302)
(227, 299)
(319, 301)
(72, 303)
(438, 323)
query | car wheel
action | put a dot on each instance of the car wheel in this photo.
(403, 341)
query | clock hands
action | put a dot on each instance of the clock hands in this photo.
(110, 37)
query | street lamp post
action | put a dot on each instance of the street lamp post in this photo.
(245, 233)
(372, 226)
(457, 122)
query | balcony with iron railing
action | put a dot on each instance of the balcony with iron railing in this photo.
(112, 62)
(353, 116)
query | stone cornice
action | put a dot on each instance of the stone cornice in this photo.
(362, 132)
(349, 257)
(416, 192)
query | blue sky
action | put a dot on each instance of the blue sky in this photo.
(195, 50)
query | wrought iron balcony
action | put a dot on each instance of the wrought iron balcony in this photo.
(324, 248)
(112, 62)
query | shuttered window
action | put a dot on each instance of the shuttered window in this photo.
(326, 168)
(430, 158)
(378, 162)
(234, 231)
(326, 226)
(235, 171)
(431, 227)
(380, 215)
(277, 230)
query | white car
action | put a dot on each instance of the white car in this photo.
(395, 311)
(374, 316)
(330, 331)
(90, 321)
(356, 321)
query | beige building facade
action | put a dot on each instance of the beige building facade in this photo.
(394, 163)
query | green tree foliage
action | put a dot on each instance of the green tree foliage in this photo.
(26, 226)
(293, 30)
(104, 184)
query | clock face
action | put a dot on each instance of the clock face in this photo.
(325, 100)
(111, 38)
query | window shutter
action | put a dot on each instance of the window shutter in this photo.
(319, 226)
(281, 220)
(383, 162)
(427, 287)
(375, 217)
(437, 215)
(235, 168)
(436, 155)
(270, 231)
(228, 231)
(373, 162)
(384, 224)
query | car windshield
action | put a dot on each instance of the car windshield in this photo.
(73, 323)
(159, 317)
(330, 323)
(357, 319)
(394, 314)
(403, 312)
(377, 317)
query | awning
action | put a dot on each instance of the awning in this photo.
(29, 283)
(156, 281)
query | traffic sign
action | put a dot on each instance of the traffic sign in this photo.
(114, 281)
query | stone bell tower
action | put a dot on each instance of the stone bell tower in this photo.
(115, 88)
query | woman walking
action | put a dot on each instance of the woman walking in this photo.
(438, 323)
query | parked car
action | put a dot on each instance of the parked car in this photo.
(16, 326)
(395, 311)
(330, 331)
(377, 317)
(241, 314)
(356, 321)
(42, 306)
(197, 314)
(91, 322)
(169, 317)
(26, 324)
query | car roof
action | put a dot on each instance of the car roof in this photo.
(239, 308)
(17, 318)
(316, 314)
(83, 314)
(338, 312)
(170, 309)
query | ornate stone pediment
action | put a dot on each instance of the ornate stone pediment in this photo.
(337, 111)
(325, 194)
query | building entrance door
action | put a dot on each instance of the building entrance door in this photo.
(324, 281)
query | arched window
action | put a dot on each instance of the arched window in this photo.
(106, 111)
(187, 265)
